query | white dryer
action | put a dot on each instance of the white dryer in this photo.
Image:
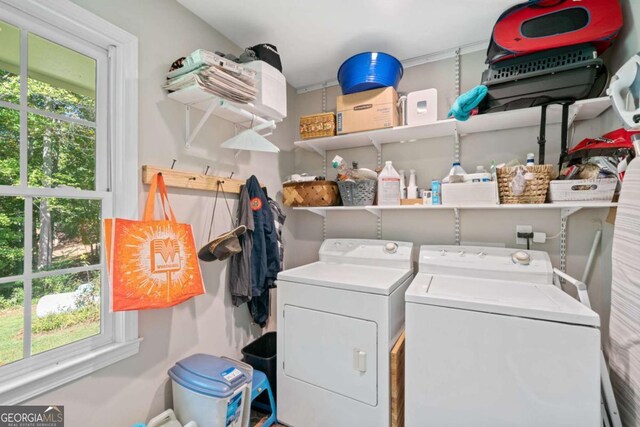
(338, 319)
(491, 342)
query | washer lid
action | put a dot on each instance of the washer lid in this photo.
(350, 277)
(544, 302)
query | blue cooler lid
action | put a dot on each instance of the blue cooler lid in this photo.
(208, 375)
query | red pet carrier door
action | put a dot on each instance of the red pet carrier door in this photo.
(548, 24)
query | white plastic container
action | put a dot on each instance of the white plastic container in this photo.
(403, 185)
(168, 419)
(412, 189)
(389, 186)
(422, 107)
(582, 190)
(271, 99)
(470, 193)
(212, 391)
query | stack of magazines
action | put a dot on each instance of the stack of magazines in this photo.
(214, 74)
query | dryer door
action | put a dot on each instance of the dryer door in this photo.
(334, 352)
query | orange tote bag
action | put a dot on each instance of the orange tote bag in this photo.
(151, 263)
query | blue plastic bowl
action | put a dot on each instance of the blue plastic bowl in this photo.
(369, 70)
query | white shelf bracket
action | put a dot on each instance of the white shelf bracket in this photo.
(321, 212)
(190, 136)
(376, 144)
(574, 114)
(374, 211)
(318, 150)
(567, 212)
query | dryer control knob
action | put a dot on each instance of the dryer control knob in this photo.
(391, 248)
(521, 257)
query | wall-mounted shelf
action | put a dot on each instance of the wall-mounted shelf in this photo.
(196, 97)
(192, 181)
(566, 208)
(582, 110)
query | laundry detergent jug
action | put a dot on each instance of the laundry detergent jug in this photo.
(388, 186)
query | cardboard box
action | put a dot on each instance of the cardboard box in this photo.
(373, 109)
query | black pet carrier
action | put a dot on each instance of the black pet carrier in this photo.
(560, 75)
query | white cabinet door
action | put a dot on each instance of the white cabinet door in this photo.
(334, 352)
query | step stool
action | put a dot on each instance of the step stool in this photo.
(259, 385)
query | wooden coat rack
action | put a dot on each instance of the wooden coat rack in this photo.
(192, 181)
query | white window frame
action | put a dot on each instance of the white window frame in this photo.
(117, 53)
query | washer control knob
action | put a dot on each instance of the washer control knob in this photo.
(391, 248)
(481, 254)
(521, 257)
(461, 253)
(443, 252)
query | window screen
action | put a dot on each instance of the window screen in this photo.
(564, 21)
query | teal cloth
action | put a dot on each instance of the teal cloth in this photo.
(466, 102)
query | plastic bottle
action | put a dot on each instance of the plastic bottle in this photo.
(531, 159)
(412, 189)
(456, 169)
(388, 186)
(403, 186)
(436, 189)
(343, 171)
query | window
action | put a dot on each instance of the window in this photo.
(563, 21)
(60, 139)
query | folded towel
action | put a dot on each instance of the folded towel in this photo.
(466, 102)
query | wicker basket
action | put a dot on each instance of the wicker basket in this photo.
(535, 190)
(317, 125)
(312, 193)
(358, 193)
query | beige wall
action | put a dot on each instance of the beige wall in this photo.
(136, 389)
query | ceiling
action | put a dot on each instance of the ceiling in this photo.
(315, 37)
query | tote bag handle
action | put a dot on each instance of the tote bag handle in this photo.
(157, 186)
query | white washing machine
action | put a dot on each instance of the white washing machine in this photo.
(491, 342)
(338, 319)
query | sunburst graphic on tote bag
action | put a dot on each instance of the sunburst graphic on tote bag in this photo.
(152, 264)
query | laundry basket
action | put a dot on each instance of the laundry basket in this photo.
(358, 193)
(535, 190)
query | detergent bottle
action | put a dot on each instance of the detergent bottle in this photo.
(388, 186)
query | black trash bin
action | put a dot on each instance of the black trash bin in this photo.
(262, 355)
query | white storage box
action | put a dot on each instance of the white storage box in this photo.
(582, 190)
(470, 193)
(422, 107)
(212, 391)
(271, 100)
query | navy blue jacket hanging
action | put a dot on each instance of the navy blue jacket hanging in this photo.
(265, 257)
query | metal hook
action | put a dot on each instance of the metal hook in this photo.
(173, 163)
(192, 178)
(231, 176)
(207, 170)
